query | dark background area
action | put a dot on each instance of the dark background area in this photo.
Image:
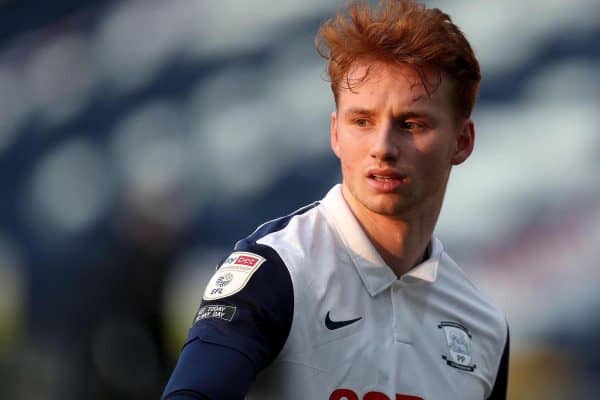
(137, 144)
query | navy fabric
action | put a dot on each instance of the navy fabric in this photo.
(264, 312)
(501, 384)
(186, 395)
(221, 358)
(209, 372)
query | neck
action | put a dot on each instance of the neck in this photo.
(400, 240)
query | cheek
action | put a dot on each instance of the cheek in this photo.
(351, 162)
(347, 168)
(350, 153)
(434, 161)
(435, 171)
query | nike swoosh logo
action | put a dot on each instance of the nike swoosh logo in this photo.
(332, 325)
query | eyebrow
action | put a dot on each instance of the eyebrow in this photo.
(413, 114)
(402, 116)
(359, 110)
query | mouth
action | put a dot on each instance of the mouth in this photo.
(387, 180)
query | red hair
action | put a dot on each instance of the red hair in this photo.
(400, 31)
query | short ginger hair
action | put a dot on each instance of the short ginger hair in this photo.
(400, 31)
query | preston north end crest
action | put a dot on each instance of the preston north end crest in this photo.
(459, 346)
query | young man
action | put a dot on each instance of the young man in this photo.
(352, 297)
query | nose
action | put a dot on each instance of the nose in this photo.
(383, 146)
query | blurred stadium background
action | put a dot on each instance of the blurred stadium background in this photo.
(139, 139)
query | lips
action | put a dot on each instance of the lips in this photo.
(386, 180)
(385, 174)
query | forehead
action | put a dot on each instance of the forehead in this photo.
(378, 84)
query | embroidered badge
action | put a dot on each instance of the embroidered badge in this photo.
(459, 346)
(233, 275)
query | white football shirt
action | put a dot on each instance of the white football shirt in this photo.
(350, 329)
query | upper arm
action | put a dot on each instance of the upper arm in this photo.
(209, 371)
(241, 326)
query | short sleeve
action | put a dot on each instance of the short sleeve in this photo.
(247, 305)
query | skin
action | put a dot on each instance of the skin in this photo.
(397, 144)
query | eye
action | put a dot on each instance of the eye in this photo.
(411, 126)
(362, 122)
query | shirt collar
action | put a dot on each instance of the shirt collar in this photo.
(374, 272)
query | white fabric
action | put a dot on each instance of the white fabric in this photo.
(397, 346)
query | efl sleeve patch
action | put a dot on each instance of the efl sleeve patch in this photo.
(233, 275)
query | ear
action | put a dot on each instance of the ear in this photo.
(465, 141)
(335, 145)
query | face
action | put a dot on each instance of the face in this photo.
(396, 142)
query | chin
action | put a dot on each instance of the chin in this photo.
(388, 206)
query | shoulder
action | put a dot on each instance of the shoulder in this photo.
(293, 239)
(279, 225)
(469, 293)
(255, 262)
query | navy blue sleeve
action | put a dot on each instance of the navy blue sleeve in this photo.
(501, 384)
(209, 371)
(237, 336)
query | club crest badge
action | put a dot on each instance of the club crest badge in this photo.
(233, 275)
(458, 339)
